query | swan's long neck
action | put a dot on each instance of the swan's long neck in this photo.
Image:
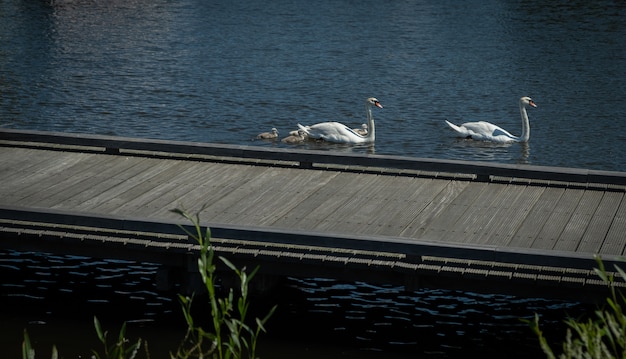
(371, 130)
(525, 124)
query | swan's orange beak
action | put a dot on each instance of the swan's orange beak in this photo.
(532, 103)
(377, 104)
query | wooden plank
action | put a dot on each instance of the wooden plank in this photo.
(166, 195)
(302, 185)
(96, 177)
(44, 190)
(440, 215)
(337, 207)
(227, 195)
(36, 172)
(600, 223)
(574, 230)
(401, 201)
(558, 219)
(614, 244)
(18, 160)
(214, 182)
(356, 210)
(536, 218)
(511, 215)
(8, 160)
(491, 214)
(303, 214)
(321, 203)
(257, 198)
(64, 185)
(231, 204)
(142, 177)
(471, 221)
(105, 177)
(18, 168)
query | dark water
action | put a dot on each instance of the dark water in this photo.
(199, 70)
(223, 72)
(56, 297)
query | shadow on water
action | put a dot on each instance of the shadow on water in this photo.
(56, 297)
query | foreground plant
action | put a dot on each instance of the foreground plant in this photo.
(28, 352)
(603, 337)
(230, 336)
(120, 349)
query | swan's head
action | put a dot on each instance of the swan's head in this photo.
(527, 101)
(373, 101)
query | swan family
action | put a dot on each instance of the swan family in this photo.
(339, 133)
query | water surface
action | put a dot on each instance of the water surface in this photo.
(195, 70)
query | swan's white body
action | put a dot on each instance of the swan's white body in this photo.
(340, 133)
(485, 131)
(268, 135)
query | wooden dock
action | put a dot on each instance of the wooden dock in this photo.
(498, 228)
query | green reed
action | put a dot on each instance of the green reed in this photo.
(601, 337)
(230, 335)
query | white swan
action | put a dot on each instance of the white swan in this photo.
(485, 131)
(338, 132)
(268, 135)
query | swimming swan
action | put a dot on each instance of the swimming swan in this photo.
(340, 133)
(485, 131)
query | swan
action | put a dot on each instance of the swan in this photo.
(340, 133)
(485, 131)
(268, 135)
(298, 137)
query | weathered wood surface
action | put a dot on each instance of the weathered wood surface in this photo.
(565, 216)
(568, 212)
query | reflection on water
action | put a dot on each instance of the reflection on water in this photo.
(56, 297)
(517, 153)
(524, 153)
(190, 70)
